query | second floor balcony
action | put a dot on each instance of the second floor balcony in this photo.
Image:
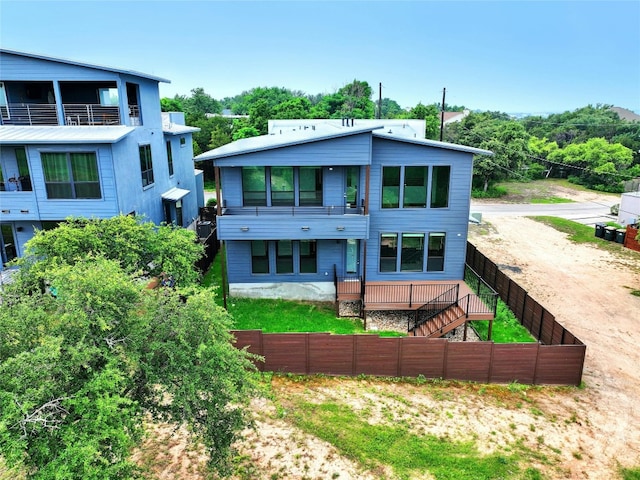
(68, 103)
(72, 114)
(273, 223)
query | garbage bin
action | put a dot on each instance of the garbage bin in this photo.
(600, 230)
(620, 233)
(610, 233)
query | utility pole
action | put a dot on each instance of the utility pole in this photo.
(444, 91)
(380, 102)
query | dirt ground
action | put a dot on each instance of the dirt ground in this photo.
(575, 433)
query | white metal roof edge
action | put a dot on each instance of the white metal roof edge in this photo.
(117, 134)
(174, 194)
(83, 64)
(434, 143)
(280, 141)
(179, 130)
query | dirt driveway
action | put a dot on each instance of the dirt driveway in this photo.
(588, 290)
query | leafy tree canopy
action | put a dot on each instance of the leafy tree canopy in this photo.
(141, 248)
(79, 371)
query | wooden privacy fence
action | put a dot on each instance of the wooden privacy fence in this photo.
(558, 357)
(534, 317)
(352, 355)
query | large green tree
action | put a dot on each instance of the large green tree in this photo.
(82, 364)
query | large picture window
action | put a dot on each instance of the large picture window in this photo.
(284, 256)
(308, 256)
(259, 257)
(440, 186)
(254, 187)
(388, 252)
(412, 258)
(146, 165)
(282, 186)
(310, 186)
(71, 175)
(390, 187)
(415, 187)
(435, 259)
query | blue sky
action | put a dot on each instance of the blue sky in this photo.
(511, 56)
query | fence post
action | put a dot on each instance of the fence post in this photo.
(410, 294)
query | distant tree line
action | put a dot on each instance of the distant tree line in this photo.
(591, 146)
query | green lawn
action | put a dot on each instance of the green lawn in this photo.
(275, 315)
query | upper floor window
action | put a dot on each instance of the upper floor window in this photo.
(146, 165)
(415, 182)
(390, 187)
(71, 174)
(254, 187)
(415, 187)
(108, 96)
(170, 158)
(353, 174)
(310, 186)
(281, 186)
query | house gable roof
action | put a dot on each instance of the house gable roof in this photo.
(82, 64)
(273, 141)
(269, 142)
(433, 143)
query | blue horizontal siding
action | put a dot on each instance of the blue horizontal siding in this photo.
(329, 253)
(452, 220)
(351, 150)
(274, 227)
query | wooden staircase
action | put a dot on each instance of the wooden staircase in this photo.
(442, 323)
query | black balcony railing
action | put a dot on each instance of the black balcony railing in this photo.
(293, 211)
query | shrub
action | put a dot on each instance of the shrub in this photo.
(212, 202)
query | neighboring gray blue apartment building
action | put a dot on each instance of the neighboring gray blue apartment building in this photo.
(86, 140)
(318, 202)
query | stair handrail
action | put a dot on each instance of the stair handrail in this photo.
(444, 297)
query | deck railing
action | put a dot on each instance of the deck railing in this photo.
(405, 294)
(91, 114)
(74, 114)
(331, 210)
(434, 307)
(485, 296)
(29, 114)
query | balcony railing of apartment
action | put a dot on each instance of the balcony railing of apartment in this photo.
(91, 114)
(74, 114)
(29, 114)
(293, 211)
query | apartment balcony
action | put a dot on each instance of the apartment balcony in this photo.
(73, 114)
(293, 223)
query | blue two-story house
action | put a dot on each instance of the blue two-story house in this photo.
(86, 140)
(304, 213)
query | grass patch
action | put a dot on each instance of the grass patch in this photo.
(551, 200)
(506, 327)
(577, 232)
(279, 316)
(408, 454)
(630, 473)
(273, 315)
(492, 192)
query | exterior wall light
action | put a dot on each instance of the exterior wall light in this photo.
(340, 228)
(244, 229)
(306, 229)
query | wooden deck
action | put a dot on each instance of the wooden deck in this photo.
(407, 296)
